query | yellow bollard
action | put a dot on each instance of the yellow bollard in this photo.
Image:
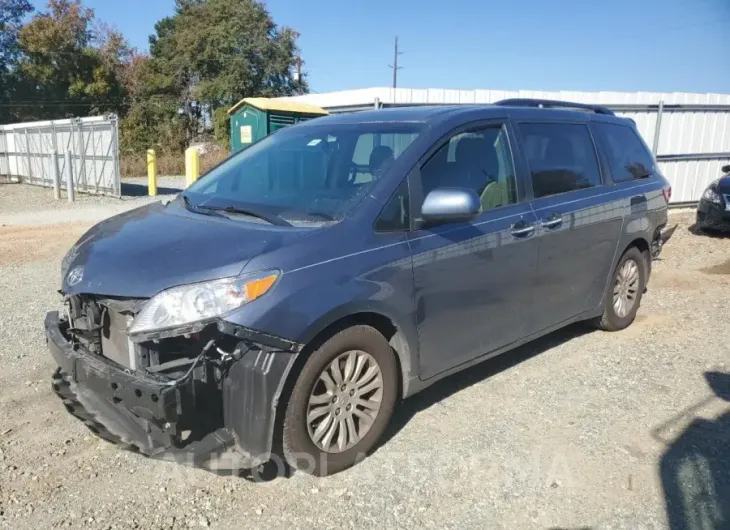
(152, 172)
(192, 165)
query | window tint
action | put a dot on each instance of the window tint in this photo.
(561, 157)
(480, 160)
(628, 158)
(395, 215)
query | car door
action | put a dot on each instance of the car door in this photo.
(579, 224)
(473, 280)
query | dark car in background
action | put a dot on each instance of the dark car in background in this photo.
(289, 299)
(713, 211)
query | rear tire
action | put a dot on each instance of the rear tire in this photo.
(623, 297)
(331, 424)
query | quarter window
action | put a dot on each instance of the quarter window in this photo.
(480, 160)
(561, 157)
(395, 214)
(628, 157)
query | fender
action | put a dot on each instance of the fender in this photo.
(404, 342)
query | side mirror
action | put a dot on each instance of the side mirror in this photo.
(725, 169)
(450, 204)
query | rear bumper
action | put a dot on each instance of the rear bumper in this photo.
(713, 216)
(139, 411)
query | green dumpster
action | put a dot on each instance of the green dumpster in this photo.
(255, 118)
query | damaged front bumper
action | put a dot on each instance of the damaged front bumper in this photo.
(146, 412)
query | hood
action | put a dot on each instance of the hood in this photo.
(723, 184)
(141, 252)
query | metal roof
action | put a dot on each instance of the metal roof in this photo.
(438, 96)
(281, 105)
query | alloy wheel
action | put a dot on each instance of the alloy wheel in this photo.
(345, 401)
(625, 288)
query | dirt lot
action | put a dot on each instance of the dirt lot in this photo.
(582, 429)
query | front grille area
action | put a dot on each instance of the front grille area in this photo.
(115, 343)
(100, 325)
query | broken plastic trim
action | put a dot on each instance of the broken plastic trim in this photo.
(259, 337)
(241, 332)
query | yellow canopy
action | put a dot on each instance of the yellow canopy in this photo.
(278, 104)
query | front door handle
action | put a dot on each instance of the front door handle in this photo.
(522, 229)
(552, 221)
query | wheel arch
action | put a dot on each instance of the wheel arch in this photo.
(402, 340)
(644, 247)
(395, 332)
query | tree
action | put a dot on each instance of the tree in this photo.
(68, 68)
(11, 18)
(152, 119)
(215, 52)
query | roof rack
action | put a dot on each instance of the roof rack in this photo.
(552, 104)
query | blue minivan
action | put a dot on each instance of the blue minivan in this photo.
(282, 305)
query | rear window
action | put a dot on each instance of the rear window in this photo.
(628, 157)
(561, 157)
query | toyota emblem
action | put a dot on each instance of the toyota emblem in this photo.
(75, 276)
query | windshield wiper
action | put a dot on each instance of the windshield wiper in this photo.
(269, 218)
(202, 211)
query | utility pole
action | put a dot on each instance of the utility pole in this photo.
(298, 73)
(395, 66)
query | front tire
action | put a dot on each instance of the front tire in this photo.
(341, 402)
(623, 298)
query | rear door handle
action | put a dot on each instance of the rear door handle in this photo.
(522, 229)
(552, 221)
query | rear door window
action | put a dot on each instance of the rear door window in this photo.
(627, 155)
(561, 156)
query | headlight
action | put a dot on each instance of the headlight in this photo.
(712, 195)
(199, 302)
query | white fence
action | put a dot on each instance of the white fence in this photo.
(27, 149)
(689, 133)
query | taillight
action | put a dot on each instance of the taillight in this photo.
(667, 193)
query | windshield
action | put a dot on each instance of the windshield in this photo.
(310, 174)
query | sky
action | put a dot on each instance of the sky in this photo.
(591, 45)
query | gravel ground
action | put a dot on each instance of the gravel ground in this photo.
(24, 205)
(581, 429)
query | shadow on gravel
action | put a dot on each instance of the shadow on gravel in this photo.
(708, 232)
(405, 410)
(461, 380)
(695, 468)
(140, 190)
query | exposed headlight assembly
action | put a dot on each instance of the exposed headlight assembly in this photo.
(199, 303)
(711, 194)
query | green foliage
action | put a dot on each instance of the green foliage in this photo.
(222, 127)
(205, 57)
(215, 52)
(67, 69)
(11, 18)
